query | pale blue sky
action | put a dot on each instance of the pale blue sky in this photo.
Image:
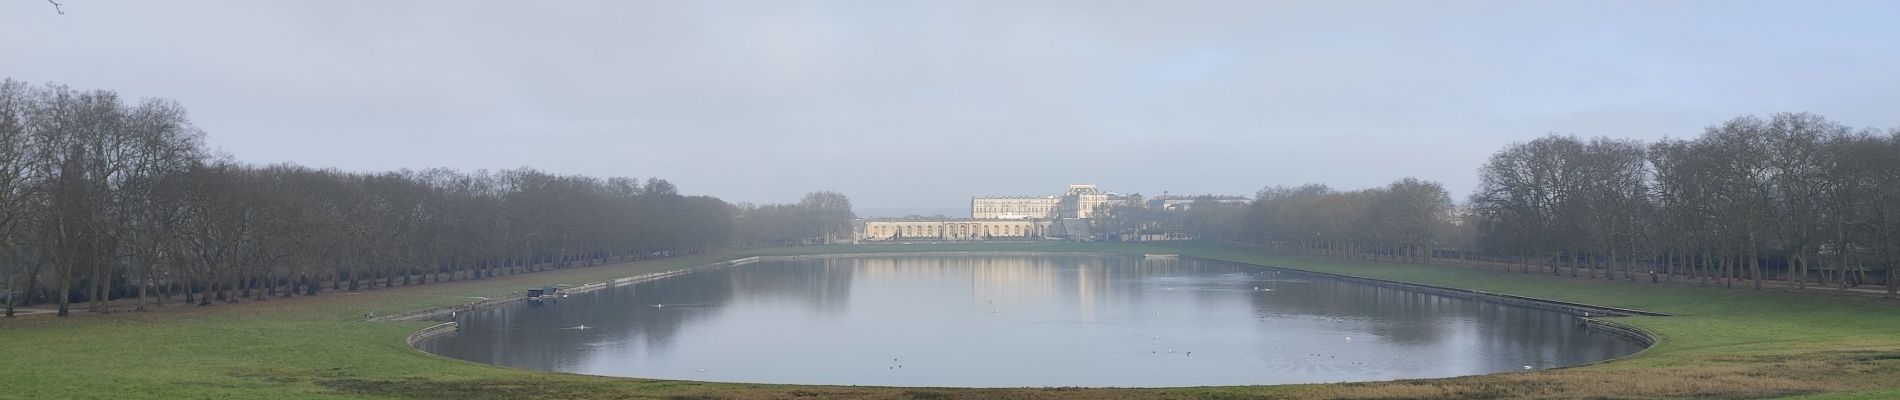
(922, 104)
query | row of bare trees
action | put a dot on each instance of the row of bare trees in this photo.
(1205, 218)
(1404, 220)
(103, 200)
(1795, 197)
(820, 217)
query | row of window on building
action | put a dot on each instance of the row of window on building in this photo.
(953, 230)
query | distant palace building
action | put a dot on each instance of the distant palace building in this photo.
(1080, 201)
(1000, 218)
(1014, 207)
(952, 229)
(1067, 216)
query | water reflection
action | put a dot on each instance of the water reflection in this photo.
(1020, 321)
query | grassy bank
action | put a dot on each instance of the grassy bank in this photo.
(1730, 343)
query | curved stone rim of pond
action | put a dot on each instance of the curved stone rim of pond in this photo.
(1587, 314)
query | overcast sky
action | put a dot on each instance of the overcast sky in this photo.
(923, 104)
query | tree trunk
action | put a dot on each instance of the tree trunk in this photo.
(1670, 265)
(1630, 264)
(1754, 264)
(145, 274)
(1609, 265)
(237, 282)
(102, 278)
(32, 282)
(13, 261)
(65, 285)
(1802, 283)
(1728, 271)
(1891, 266)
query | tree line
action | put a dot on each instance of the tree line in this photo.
(102, 199)
(1205, 218)
(1795, 198)
(1404, 220)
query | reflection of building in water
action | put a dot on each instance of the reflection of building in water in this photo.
(994, 283)
(1006, 282)
(1091, 284)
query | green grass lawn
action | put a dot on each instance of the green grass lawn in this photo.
(1724, 343)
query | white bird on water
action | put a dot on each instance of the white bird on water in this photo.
(659, 305)
(1527, 367)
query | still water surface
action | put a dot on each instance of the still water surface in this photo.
(1006, 321)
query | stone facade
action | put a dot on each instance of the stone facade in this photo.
(1081, 201)
(1013, 207)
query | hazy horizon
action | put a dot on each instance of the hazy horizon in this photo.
(920, 105)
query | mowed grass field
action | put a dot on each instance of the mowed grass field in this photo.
(1723, 343)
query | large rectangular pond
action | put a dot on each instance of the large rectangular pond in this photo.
(1007, 321)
